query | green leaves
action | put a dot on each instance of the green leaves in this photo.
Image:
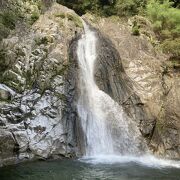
(105, 7)
(166, 23)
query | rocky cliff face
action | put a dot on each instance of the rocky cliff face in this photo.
(35, 118)
(39, 86)
(143, 80)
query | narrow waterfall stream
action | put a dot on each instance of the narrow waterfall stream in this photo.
(92, 100)
(106, 128)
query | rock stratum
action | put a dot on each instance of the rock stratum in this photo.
(39, 86)
(35, 114)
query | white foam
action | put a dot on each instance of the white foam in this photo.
(145, 160)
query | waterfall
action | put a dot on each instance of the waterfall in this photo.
(107, 129)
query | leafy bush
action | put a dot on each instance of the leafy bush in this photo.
(129, 7)
(82, 6)
(7, 22)
(166, 24)
(70, 17)
(172, 46)
(135, 31)
(75, 19)
(61, 15)
(105, 7)
(34, 17)
(165, 18)
(4, 31)
(8, 19)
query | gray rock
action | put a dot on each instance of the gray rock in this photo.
(6, 93)
(34, 115)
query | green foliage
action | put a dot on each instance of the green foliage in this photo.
(9, 15)
(61, 15)
(34, 17)
(164, 17)
(41, 40)
(4, 31)
(43, 5)
(75, 19)
(82, 6)
(135, 31)
(8, 18)
(129, 7)
(7, 22)
(172, 46)
(166, 24)
(105, 7)
(70, 17)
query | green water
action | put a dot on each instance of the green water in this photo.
(76, 170)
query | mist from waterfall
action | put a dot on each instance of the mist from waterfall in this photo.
(106, 128)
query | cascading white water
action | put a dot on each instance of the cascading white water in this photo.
(111, 137)
(89, 105)
(107, 130)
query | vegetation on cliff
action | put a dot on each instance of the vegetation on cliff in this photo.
(14, 11)
(166, 24)
(163, 14)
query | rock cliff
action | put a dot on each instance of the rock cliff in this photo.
(142, 79)
(35, 121)
(39, 86)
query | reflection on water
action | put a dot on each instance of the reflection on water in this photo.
(78, 170)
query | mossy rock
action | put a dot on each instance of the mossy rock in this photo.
(75, 19)
(71, 17)
(61, 96)
(61, 15)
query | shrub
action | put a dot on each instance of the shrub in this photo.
(166, 23)
(129, 7)
(105, 7)
(164, 18)
(70, 17)
(61, 15)
(135, 31)
(4, 31)
(8, 19)
(34, 17)
(172, 47)
(75, 19)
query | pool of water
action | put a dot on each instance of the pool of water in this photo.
(91, 169)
